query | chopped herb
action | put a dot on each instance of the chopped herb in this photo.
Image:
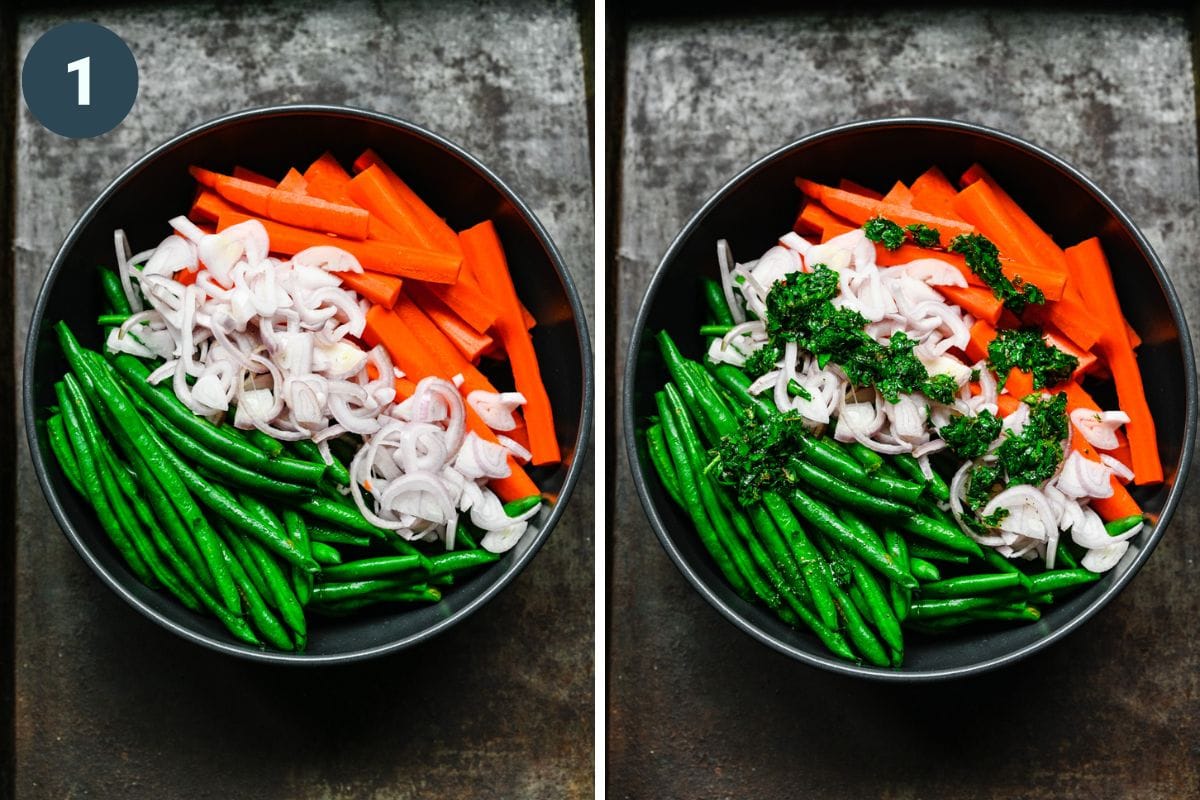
(924, 235)
(884, 231)
(970, 437)
(982, 482)
(994, 519)
(984, 260)
(752, 458)
(1025, 349)
(1033, 455)
(974, 374)
(763, 360)
(941, 388)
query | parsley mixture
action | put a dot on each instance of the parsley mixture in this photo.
(1026, 349)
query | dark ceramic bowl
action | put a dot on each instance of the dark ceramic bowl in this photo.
(270, 140)
(760, 203)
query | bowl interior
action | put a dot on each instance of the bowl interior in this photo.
(761, 204)
(159, 187)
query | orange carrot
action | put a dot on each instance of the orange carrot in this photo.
(1051, 281)
(1006, 404)
(187, 276)
(469, 342)
(451, 361)
(333, 190)
(982, 335)
(293, 181)
(1019, 383)
(1071, 316)
(252, 176)
(1135, 341)
(835, 229)
(481, 245)
(326, 168)
(899, 195)
(409, 353)
(208, 206)
(816, 217)
(1119, 506)
(1056, 338)
(405, 388)
(859, 209)
(979, 301)
(981, 207)
(528, 318)
(380, 289)
(393, 259)
(371, 190)
(443, 235)
(847, 185)
(289, 208)
(1088, 257)
(934, 194)
(466, 299)
(1047, 251)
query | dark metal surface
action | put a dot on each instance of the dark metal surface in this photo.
(109, 705)
(760, 201)
(700, 710)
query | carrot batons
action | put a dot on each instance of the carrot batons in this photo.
(858, 209)
(290, 208)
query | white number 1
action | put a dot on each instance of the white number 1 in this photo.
(84, 67)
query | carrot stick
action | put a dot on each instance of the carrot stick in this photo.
(934, 194)
(847, 185)
(1006, 404)
(443, 235)
(1119, 506)
(326, 168)
(835, 229)
(333, 190)
(899, 195)
(380, 289)
(1019, 383)
(187, 276)
(1051, 281)
(393, 259)
(450, 360)
(409, 353)
(482, 246)
(816, 217)
(1088, 257)
(252, 176)
(465, 338)
(1135, 341)
(371, 190)
(528, 318)
(980, 302)
(982, 335)
(1056, 338)
(208, 206)
(466, 299)
(981, 207)
(859, 209)
(405, 388)
(293, 181)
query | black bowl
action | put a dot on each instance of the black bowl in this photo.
(270, 140)
(760, 203)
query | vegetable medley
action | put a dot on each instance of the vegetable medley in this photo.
(292, 410)
(890, 428)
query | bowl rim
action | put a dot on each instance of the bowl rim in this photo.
(876, 673)
(582, 439)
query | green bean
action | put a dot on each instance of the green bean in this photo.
(464, 537)
(656, 448)
(844, 494)
(901, 596)
(379, 567)
(856, 628)
(421, 594)
(1123, 525)
(877, 603)
(932, 553)
(823, 519)
(1058, 579)
(939, 532)
(134, 375)
(457, 562)
(95, 493)
(341, 516)
(725, 534)
(689, 490)
(865, 456)
(1063, 554)
(60, 445)
(297, 531)
(710, 391)
(928, 609)
(224, 469)
(238, 550)
(325, 555)
(812, 565)
(951, 622)
(1016, 611)
(971, 585)
(111, 320)
(1002, 564)
(333, 592)
(516, 508)
(319, 533)
(737, 384)
(715, 330)
(827, 456)
(255, 594)
(912, 469)
(114, 293)
(924, 571)
(682, 379)
(267, 443)
(718, 306)
(280, 588)
(308, 450)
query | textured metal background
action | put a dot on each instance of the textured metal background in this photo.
(700, 710)
(108, 705)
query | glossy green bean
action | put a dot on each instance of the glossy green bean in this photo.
(714, 298)
(280, 588)
(812, 565)
(924, 571)
(379, 567)
(901, 596)
(971, 585)
(842, 493)
(911, 468)
(325, 555)
(660, 458)
(236, 546)
(255, 595)
(319, 533)
(461, 561)
(1119, 526)
(1002, 564)
(60, 446)
(879, 609)
(865, 456)
(114, 293)
(309, 451)
(516, 508)
(941, 607)
(823, 519)
(297, 531)
(938, 532)
(1059, 579)
(931, 552)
